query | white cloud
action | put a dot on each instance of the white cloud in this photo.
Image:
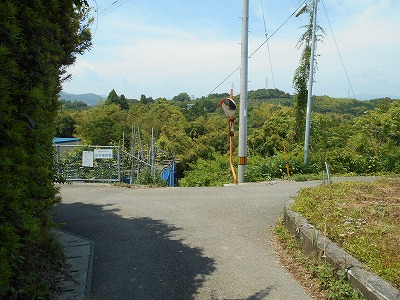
(183, 58)
(81, 67)
(139, 55)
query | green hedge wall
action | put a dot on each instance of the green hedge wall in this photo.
(37, 40)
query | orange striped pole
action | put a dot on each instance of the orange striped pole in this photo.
(231, 134)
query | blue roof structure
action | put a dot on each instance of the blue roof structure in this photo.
(65, 140)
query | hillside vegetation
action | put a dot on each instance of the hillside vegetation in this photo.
(357, 137)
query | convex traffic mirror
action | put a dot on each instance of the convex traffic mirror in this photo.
(228, 106)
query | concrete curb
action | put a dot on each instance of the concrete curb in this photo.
(314, 243)
(79, 254)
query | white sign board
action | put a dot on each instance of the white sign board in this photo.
(87, 159)
(103, 153)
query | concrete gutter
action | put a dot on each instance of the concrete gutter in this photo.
(79, 256)
(314, 243)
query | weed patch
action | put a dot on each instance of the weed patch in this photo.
(321, 280)
(362, 218)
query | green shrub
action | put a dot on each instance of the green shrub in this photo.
(214, 172)
(146, 178)
(38, 39)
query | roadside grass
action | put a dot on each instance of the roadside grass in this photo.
(362, 218)
(319, 279)
(40, 270)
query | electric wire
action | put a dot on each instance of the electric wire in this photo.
(229, 76)
(103, 10)
(111, 8)
(337, 47)
(100, 13)
(266, 36)
(255, 51)
(108, 8)
(266, 40)
(97, 18)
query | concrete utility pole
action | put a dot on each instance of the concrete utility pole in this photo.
(243, 94)
(310, 85)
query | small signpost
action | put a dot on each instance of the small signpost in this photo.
(229, 107)
(88, 157)
(103, 153)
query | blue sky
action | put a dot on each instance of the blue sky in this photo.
(161, 48)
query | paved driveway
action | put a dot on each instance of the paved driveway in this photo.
(182, 243)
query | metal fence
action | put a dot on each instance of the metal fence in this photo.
(89, 163)
(110, 164)
(133, 166)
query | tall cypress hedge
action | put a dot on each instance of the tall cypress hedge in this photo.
(38, 40)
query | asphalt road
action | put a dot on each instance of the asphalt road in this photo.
(182, 243)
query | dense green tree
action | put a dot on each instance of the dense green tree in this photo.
(258, 115)
(143, 99)
(267, 141)
(209, 105)
(102, 125)
(112, 97)
(376, 139)
(195, 110)
(163, 118)
(217, 96)
(123, 102)
(263, 94)
(132, 102)
(182, 97)
(218, 133)
(196, 128)
(65, 125)
(209, 137)
(75, 105)
(38, 40)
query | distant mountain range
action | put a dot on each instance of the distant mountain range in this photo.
(92, 99)
(89, 99)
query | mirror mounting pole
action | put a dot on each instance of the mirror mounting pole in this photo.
(229, 107)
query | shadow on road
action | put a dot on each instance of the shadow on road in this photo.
(257, 296)
(261, 294)
(136, 258)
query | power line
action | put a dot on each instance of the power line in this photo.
(100, 13)
(97, 17)
(108, 8)
(224, 80)
(255, 51)
(113, 6)
(266, 40)
(337, 47)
